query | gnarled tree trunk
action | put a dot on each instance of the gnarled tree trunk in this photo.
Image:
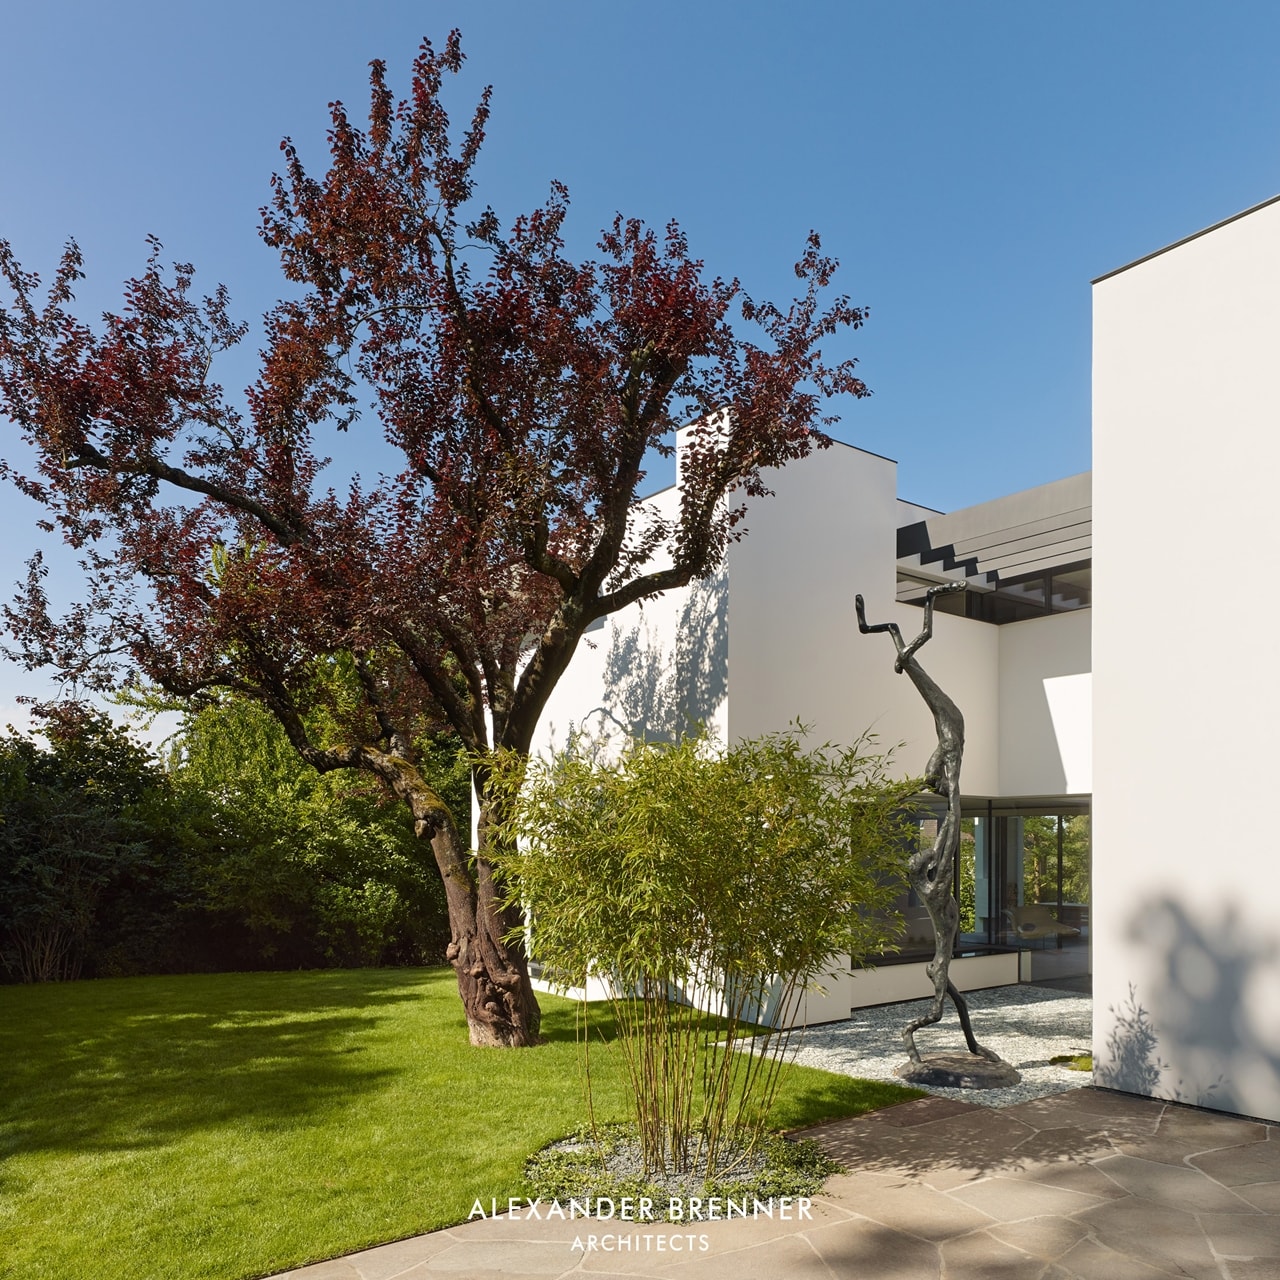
(493, 974)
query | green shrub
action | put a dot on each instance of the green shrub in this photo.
(73, 837)
(689, 875)
(311, 869)
(238, 856)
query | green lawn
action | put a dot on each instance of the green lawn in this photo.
(234, 1125)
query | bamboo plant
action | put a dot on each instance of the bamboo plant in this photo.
(709, 887)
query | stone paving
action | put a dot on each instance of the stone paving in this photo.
(1085, 1185)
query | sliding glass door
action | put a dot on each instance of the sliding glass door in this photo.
(1023, 879)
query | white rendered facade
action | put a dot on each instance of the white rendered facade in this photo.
(1186, 692)
(773, 639)
(1157, 708)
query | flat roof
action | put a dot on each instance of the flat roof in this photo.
(1195, 235)
(1051, 524)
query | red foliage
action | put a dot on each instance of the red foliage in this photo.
(522, 390)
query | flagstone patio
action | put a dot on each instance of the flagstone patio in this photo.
(1083, 1185)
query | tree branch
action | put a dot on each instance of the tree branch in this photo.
(89, 456)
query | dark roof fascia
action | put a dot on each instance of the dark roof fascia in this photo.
(844, 444)
(871, 453)
(1195, 235)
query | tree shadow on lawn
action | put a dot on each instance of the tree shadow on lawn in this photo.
(562, 1022)
(806, 1097)
(137, 1062)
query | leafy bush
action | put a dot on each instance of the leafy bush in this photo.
(692, 876)
(238, 856)
(73, 834)
(309, 869)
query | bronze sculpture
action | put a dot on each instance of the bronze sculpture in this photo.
(930, 870)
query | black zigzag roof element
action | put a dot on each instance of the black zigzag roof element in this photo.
(913, 540)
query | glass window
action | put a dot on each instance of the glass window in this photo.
(1032, 886)
(1072, 589)
(1011, 860)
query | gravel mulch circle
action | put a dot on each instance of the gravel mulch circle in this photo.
(577, 1168)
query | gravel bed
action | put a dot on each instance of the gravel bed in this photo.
(623, 1159)
(1025, 1025)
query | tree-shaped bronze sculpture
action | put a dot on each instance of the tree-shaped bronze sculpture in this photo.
(930, 871)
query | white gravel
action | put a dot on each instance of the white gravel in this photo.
(1025, 1025)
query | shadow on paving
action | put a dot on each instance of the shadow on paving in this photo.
(938, 1136)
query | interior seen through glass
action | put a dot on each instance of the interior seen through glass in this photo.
(1022, 881)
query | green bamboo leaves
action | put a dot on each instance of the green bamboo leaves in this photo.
(709, 888)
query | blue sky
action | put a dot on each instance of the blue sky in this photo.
(973, 166)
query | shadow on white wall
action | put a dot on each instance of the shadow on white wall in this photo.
(1199, 1024)
(659, 690)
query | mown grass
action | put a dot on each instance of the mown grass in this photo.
(234, 1125)
(1074, 1061)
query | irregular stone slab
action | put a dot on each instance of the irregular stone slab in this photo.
(1211, 1129)
(980, 1256)
(1262, 1195)
(1252, 1269)
(1116, 1113)
(1243, 1235)
(1239, 1166)
(1071, 1144)
(1176, 1187)
(1008, 1199)
(914, 1209)
(959, 1071)
(1090, 1260)
(1162, 1237)
(957, 1147)
(505, 1257)
(861, 1251)
(337, 1269)
(383, 1262)
(906, 1115)
(1043, 1238)
(1183, 1133)
(1084, 1178)
(993, 1133)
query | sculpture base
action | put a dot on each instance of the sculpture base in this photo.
(959, 1071)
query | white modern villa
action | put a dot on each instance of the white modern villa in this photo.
(1186, 669)
(1122, 725)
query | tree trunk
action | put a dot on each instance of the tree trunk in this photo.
(493, 974)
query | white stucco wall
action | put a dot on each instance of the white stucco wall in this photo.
(828, 534)
(660, 665)
(1045, 713)
(1186, 693)
(910, 512)
(775, 639)
(964, 658)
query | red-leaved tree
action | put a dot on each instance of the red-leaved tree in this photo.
(520, 391)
